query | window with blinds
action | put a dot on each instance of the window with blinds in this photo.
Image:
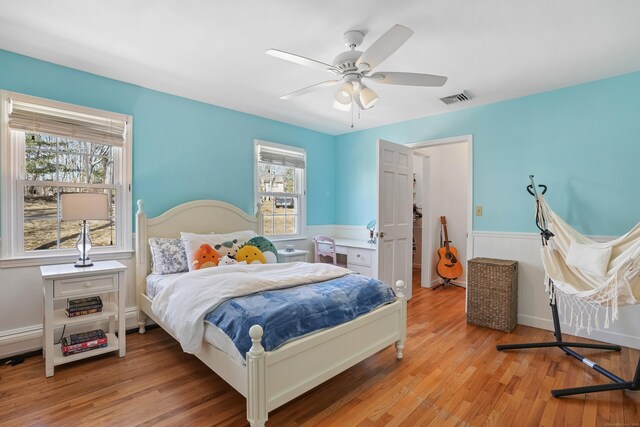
(52, 148)
(280, 188)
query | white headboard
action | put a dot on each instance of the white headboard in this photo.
(199, 216)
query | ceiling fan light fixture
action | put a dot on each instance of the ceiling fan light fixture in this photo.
(342, 106)
(368, 97)
(344, 94)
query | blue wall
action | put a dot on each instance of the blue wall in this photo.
(182, 149)
(582, 141)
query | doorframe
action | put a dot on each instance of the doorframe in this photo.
(426, 253)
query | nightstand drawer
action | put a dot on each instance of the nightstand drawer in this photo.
(359, 257)
(84, 286)
(295, 258)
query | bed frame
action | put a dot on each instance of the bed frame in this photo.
(270, 378)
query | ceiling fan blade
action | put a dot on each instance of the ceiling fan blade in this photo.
(311, 88)
(301, 60)
(382, 48)
(408, 79)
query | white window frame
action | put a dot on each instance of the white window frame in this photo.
(12, 175)
(302, 213)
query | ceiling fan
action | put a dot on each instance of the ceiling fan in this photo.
(353, 67)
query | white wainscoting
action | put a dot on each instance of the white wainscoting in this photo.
(21, 290)
(533, 304)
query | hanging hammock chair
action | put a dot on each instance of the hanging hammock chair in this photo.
(589, 276)
(585, 277)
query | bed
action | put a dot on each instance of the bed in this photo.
(268, 379)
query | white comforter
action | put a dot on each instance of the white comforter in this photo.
(186, 300)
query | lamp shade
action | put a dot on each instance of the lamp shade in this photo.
(342, 107)
(344, 93)
(84, 206)
(368, 97)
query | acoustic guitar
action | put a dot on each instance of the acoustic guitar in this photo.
(449, 266)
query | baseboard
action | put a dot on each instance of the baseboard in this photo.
(597, 335)
(20, 342)
(30, 339)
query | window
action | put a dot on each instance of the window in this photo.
(280, 187)
(51, 148)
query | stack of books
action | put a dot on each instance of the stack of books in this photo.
(80, 306)
(85, 341)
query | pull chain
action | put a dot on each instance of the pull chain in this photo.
(352, 107)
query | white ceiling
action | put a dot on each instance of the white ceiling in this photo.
(213, 51)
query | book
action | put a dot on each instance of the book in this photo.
(84, 301)
(82, 312)
(83, 307)
(85, 336)
(82, 350)
(65, 347)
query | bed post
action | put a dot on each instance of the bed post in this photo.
(141, 261)
(257, 377)
(400, 287)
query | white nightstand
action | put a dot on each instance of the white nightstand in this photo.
(297, 255)
(61, 282)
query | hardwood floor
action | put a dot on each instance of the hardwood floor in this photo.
(451, 375)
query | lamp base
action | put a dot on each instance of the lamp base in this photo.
(84, 246)
(83, 263)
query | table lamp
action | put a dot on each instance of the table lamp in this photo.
(84, 207)
(372, 228)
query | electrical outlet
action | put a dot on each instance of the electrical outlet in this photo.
(478, 210)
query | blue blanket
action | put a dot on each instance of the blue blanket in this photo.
(285, 314)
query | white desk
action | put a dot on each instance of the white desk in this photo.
(361, 256)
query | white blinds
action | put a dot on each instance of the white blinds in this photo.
(31, 117)
(277, 156)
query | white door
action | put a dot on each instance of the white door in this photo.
(395, 216)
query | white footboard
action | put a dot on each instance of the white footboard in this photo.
(275, 378)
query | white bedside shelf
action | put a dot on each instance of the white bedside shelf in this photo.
(63, 282)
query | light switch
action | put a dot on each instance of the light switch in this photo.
(478, 210)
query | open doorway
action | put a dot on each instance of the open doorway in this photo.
(443, 187)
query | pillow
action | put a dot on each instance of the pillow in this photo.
(168, 256)
(206, 250)
(263, 246)
(590, 259)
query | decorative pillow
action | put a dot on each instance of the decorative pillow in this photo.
(206, 250)
(590, 259)
(264, 246)
(168, 256)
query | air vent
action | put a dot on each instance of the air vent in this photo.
(458, 97)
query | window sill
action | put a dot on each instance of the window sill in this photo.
(287, 239)
(38, 260)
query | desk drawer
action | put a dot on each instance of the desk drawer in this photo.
(84, 286)
(327, 247)
(365, 271)
(359, 256)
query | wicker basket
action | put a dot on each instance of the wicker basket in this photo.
(492, 293)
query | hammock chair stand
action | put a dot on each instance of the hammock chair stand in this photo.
(618, 383)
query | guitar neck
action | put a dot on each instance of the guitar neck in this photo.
(446, 236)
